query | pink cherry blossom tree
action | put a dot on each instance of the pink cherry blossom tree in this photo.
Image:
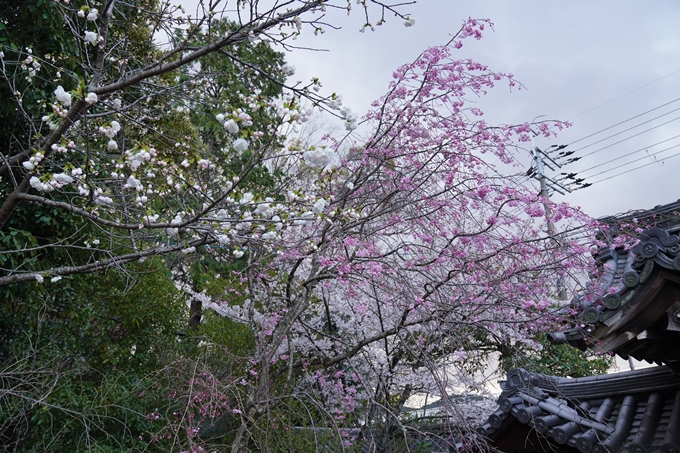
(369, 266)
(414, 246)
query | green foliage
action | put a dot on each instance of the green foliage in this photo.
(566, 361)
(86, 348)
(228, 343)
(14, 239)
(101, 363)
(244, 77)
(298, 426)
(556, 360)
(105, 362)
(39, 26)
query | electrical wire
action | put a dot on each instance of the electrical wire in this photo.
(633, 161)
(628, 171)
(624, 95)
(628, 138)
(629, 154)
(625, 121)
(626, 130)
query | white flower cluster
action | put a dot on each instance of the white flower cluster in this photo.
(64, 97)
(51, 124)
(134, 183)
(103, 200)
(100, 198)
(263, 209)
(31, 65)
(305, 218)
(335, 102)
(240, 145)
(57, 148)
(111, 130)
(61, 179)
(319, 157)
(288, 70)
(247, 198)
(137, 159)
(231, 125)
(92, 15)
(33, 162)
(269, 235)
(350, 118)
(58, 180)
(236, 116)
(90, 37)
(176, 221)
(319, 206)
(40, 186)
(305, 114)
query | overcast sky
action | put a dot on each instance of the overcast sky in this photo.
(572, 57)
(595, 63)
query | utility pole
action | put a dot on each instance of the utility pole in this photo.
(546, 183)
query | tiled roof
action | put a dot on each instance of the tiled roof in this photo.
(637, 411)
(639, 315)
(667, 212)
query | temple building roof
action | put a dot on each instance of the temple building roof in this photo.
(637, 411)
(639, 314)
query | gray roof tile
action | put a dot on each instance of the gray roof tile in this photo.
(633, 411)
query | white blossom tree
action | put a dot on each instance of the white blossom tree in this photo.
(109, 147)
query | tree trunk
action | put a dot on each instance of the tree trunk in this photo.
(196, 311)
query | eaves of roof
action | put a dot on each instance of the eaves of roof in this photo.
(639, 314)
(638, 411)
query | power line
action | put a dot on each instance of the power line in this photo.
(633, 161)
(633, 169)
(626, 130)
(629, 154)
(625, 121)
(621, 141)
(573, 180)
(626, 94)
